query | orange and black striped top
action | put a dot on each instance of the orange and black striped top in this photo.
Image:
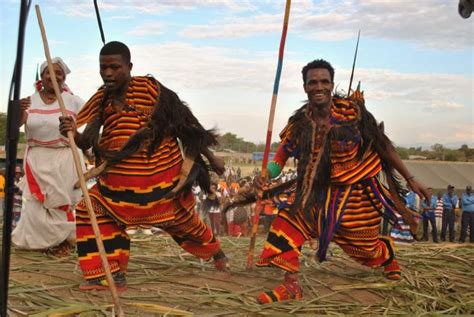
(132, 190)
(346, 167)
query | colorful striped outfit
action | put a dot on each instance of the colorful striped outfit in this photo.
(132, 191)
(351, 201)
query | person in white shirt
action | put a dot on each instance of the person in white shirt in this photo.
(47, 220)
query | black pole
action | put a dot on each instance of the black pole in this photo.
(353, 65)
(99, 21)
(12, 135)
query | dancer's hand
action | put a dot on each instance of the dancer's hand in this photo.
(259, 181)
(66, 124)
(217, 164)
(420, 189)
(25, 103)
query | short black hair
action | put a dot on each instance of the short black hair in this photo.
(116, 48)
(318, 63)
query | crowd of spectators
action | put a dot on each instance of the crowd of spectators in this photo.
(447, 217)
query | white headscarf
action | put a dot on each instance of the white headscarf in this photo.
(56, 60)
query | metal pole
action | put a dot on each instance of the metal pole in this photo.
(12, 135)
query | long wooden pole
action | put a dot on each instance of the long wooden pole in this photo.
(268, 142)
(78, 164)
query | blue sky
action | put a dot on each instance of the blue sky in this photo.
(415, 57)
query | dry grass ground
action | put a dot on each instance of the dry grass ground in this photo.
(436, 279)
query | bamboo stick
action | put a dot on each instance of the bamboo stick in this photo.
(78, 165)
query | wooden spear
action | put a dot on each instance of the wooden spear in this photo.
(78, 164)
(268, 143)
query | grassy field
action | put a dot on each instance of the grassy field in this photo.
(165, 280)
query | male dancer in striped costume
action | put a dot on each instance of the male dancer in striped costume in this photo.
(337, 195)
(143, 167)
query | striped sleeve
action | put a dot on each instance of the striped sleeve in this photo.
(90, 109)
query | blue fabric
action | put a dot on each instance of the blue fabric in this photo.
(431, 211)
(410, 199)
(450, 202)
(467, 202)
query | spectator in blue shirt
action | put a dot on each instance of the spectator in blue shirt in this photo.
(467, 205)
(450, 201)
(410, 199)
(428, 215)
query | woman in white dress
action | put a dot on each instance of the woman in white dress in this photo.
(47, 219)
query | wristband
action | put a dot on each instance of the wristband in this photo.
(273, 169)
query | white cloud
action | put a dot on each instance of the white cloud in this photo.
(86, 9)
(122, 17)
(149, 29)
(464, 132)
(440, 26)
(444, 107)
(429, 24)
(224, 79)
(414, 88)
(235, 27)
(164, 5)
(239, 85)
(201, 66)
(57, 42)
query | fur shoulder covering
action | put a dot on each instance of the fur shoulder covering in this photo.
(173, 118)
(296, 124)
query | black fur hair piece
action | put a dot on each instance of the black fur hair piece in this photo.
(373, 135)
(171, 117)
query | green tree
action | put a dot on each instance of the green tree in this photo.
(452, 155)
(402, 152)
(3, 130)
(468, 152)
(439, 150)
(230, 141)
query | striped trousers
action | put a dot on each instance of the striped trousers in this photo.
(356, 232)
(187, 229)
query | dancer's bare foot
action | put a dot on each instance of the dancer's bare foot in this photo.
(61, 250)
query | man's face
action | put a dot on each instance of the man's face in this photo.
(468, 190)
(115, 72)
(319, 87)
